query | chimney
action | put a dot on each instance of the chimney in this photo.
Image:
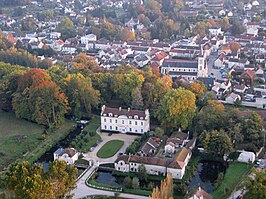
(128, 109)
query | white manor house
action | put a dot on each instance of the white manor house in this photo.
(125, 120)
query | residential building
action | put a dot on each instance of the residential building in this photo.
(125, 120)
(199, 193)
(155, 165)
(69, 155)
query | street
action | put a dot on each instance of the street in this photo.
(212, 72)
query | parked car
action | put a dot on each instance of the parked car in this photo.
(92, 149)
(110, 134)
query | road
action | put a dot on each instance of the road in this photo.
(82, 190)
(212, 72)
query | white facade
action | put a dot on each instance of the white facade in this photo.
(85, 39)
(125, 120)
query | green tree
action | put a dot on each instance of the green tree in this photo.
(142, 173)
(66, 28)
(137, 100)
(177, 108)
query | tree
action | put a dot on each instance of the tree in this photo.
(197, 88)
(135, 183)
(256, 185)
(39, 99)
(166, 189)
(81, 95)
(28, 180)
(142, 173)
(216, 143)
(159, 132)
(127, 182)
(127, 35)
(137, 100)
(84, 64)
(177, 108)
(66, 28)
(235, 47)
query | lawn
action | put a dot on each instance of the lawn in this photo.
(88, 137)
(234, 174)
(110, 148)
(22, 140)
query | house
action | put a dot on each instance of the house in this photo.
(232, 98)
(247, 77)
(132, 22)
(240, 88)
(155, 165)
(69, 48)
(169, 148)
(199, 193)
(149, 148)
(55, 35)
(90, 37)
(179, 140)
(125, 120)
(189, 69)
(69, 155)
(215, 31)
(219, 62)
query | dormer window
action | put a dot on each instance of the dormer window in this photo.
(141, 118)
(110, 114)
(104, 114)
(130, 117)
(136, 117)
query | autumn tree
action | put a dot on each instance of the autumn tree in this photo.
(255, 185)
(28, 180)
(166, 189)
(84, 64)
(39, 99)
(127, 35)
(197, 88)
(81, 95)
(235, 47)
(177, 108)
(108, 30)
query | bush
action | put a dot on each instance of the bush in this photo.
(135, 183)
(92, 133)
(127, 182)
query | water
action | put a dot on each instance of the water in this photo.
(207, 173)
(107, 178)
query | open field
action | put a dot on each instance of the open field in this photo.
(110, 148)
(234, 174)
(22, 140)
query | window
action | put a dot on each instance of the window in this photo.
(122, 121)
(105, 127)
(115, 121)
(104, 120)
(141, 123)
(136, 123)
(116, 128)
(110, 127)
(110, 120)
(130, 129)
(141, 130)
(129, 122)
(136, 130)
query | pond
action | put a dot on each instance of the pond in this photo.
(207, 173)
(106, 177)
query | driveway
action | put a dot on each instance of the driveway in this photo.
(128, 139)
(82, 190)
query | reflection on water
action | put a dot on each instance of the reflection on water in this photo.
(207, 173)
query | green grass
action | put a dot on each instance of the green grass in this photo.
(88, 137)
(234, 174)
(110, 148)
(33, 146)
(141, 192)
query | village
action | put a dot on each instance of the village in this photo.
(122, 149)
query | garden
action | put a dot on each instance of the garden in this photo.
(110, 148)
(85, 140)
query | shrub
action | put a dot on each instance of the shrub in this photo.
(127, 182)
(92, 133)
(135, 183)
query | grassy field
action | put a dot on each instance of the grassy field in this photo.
(88, 137)
(233, 176)
(22, 140)
(110, 148)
